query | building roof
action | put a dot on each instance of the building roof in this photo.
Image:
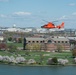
(34, 39)
(41, 39)
(60, 39)
(71, 38)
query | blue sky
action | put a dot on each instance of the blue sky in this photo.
(31, 13)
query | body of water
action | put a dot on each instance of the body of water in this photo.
(37, 70)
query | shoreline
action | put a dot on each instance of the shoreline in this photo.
(35, 65)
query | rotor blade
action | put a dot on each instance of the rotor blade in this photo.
(45, 20)
(55, 21)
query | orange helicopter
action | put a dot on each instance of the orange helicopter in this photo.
(51, 25)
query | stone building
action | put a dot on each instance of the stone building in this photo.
(50, 44)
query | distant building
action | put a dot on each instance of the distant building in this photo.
(50, 44)
(1, 36)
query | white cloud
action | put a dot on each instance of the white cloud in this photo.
(22, 13)
(74, 13)
(62, 18)
(72, 4)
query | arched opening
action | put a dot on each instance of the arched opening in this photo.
(49, 41)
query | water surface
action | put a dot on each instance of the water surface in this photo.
(36, 70)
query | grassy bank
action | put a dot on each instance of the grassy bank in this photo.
(38, 56)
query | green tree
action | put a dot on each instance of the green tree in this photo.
(12, 48)
(74, 52)
(41, 58)
(19, 40)
(59, 48)
(34, 46)
(28, 47)
(9, 38)
(52, 61)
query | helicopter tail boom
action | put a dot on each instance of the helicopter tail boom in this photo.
(60, 26)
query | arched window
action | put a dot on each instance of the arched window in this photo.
(40, 41)
(29, 41)
(37, 41)
(58, 41)
(49, 41)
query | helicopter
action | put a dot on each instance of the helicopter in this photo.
(51, 25)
